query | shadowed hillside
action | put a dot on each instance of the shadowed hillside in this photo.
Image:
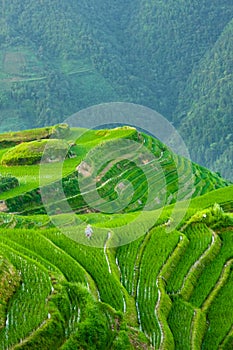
(57, 58)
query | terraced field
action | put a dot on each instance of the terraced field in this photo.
(169, 288)
(148, 165)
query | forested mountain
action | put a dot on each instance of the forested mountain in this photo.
(59, 57)
(206, 98)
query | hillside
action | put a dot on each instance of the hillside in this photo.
(139, 282)
(59, 58)
(98, 164)
(205, 100)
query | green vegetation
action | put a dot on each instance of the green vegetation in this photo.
(31, 152)
(13, 138)
(165, 289)
(181, 327)
(216, 83)
(9, 281)
(199, 238)
(174, 58)
(7, 183)
(151, 156)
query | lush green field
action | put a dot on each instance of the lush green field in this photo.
(157, 170)
(137, 280)
(143, 280)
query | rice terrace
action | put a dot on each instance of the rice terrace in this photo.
(116, 175)
(123, 285)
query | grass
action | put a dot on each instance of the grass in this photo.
(151, 261)
(44, 248)
(92, 260)
(180, 322)
(93, 142)
(212, 272)
(138, 283)
(157, 251)
(28, 175)
(33, 152)
(9, 282)
(127, 261)
(35, 289)
(25, 135)
(199, 238)
(220, 316)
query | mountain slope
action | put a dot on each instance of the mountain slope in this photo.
(59, 58)
(98, 164)
(143, 280)
(171, 39)
(205, 103)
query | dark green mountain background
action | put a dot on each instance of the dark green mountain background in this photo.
(57, 57)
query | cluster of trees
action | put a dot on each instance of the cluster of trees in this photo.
(7, 182)
(145, 52)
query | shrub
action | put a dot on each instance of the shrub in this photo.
(28, 153)
(122, 342)
(60, 131)
(8, 182)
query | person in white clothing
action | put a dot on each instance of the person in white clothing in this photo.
(88, 231)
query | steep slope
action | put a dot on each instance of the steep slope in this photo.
(60, 292)
(57, 58)
(206, 109)
(169, 39)
(99, 165)
(49, 55)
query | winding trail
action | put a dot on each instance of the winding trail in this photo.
(105, 252)
(163, 275)
(43, 323)
(197, 329)
(157, 314)
(91, 285)
(128, 301)
(136, 278)
(207, 256)
(138, 263)
(224, 341)
(218, 286)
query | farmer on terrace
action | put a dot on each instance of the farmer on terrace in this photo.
(88, 231)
